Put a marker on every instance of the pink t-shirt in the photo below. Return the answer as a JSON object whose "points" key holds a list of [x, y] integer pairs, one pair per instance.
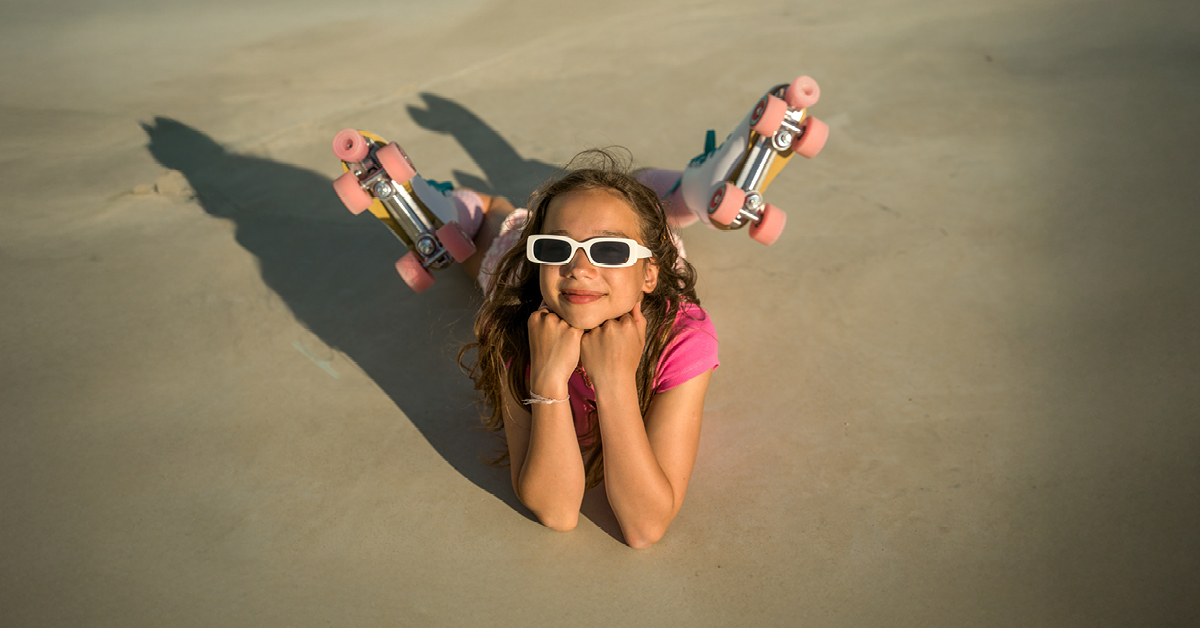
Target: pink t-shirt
{"points": [[692, 351]]}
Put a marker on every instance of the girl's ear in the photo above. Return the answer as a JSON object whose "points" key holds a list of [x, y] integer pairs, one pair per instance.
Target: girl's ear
{"points": [[651, 281]]}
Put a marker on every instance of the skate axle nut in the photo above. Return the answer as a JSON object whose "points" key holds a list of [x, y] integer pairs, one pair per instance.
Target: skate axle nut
{"points": [[426, 246], [752, 210], [782, 140]]}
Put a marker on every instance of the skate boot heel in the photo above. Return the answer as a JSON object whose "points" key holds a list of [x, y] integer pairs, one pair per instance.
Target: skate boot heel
{"points": [[380, 177], [739, 172]]}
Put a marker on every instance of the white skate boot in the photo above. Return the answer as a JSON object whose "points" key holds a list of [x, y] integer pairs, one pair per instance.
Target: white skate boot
{"points": [[724, 186]]}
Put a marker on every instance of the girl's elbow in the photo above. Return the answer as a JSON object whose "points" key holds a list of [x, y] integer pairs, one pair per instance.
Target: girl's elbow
{"points": [[642, 539], [559, 522], [644, 531], [555, 514]]}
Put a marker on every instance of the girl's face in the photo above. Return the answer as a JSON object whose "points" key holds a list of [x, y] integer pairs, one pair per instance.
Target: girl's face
{"points": [[581, 294]]}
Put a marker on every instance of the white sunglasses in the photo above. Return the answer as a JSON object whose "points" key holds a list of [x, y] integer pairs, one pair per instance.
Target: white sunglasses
{"points": [[554, 250]]}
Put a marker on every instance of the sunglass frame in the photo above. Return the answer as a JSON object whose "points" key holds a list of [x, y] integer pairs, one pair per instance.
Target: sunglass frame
{"points": [[636, 251]]}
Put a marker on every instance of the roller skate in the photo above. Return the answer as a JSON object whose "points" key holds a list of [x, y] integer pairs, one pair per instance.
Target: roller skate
{"points": [[436, 226], [724, 186]]}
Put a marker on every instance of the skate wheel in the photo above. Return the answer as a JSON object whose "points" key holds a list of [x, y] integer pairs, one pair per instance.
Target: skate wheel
{"points": [[803, 92], [353, 196], [769, 226], [768, 115], [455, 241], [397, 164], [413, 273], [726, 202], [349, 145], [813, 140]]}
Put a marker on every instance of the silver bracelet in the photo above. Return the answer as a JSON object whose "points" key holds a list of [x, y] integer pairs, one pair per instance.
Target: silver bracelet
{"points": [[540, 399]]}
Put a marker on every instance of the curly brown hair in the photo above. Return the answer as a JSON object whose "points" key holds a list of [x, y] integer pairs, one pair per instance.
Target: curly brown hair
{"points": [[501, 332]]}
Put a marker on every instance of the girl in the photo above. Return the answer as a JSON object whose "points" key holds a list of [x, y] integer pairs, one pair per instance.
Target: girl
{"points": [[592, 349]]}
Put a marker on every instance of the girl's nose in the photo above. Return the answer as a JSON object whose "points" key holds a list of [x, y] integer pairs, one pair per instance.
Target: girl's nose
{"points": [[580, 262]]}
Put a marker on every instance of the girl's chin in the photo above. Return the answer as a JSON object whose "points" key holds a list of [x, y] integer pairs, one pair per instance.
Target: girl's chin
{"points": [[581, 320], [585, 323], [587, 316]]}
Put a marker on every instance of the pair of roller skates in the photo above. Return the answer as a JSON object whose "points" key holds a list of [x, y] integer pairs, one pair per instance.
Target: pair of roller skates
{"points": [[723, 187]]}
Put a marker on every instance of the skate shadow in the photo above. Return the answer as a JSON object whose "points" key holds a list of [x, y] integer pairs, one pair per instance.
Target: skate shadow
{"points": [[506, 172], [335, 271]]}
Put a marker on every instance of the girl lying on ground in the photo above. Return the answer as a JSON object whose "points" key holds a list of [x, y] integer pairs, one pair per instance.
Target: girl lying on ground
{"points": [[592, 348]]}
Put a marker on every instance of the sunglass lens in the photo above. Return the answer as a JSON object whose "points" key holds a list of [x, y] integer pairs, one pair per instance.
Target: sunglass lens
{"points": [[551, 251], [610, 253]]}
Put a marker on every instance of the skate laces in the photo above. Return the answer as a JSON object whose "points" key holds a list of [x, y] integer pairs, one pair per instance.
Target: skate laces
{"points": [[440, 186], [710, 148]]}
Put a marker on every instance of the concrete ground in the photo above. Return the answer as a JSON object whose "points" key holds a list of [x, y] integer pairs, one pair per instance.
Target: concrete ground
{"points": [[961, 390]]}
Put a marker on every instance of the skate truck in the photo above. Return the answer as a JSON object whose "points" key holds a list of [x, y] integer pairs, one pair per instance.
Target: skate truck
{"points": [[379, 176]]}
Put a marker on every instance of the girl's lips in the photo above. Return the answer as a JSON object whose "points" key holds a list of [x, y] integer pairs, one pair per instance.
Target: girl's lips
{"points": [[580, 297]]}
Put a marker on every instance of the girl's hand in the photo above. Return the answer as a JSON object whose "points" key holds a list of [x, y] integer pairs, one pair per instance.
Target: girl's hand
{"points": [[611, 352], [553, 353]]}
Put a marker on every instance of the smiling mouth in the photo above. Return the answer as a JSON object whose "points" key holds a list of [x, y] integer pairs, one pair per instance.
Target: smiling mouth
{"points": [[580, 297]]}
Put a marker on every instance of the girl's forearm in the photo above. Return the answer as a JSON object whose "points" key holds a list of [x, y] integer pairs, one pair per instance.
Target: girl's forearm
{"points": [[552, 479], [638, 490]]}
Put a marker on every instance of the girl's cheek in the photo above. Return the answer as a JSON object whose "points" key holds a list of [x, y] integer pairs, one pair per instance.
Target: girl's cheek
{"points": [[544, 281]]}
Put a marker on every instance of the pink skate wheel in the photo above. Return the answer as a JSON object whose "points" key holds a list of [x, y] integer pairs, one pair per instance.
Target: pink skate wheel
{"points": [[353, 196], [413, 273], [803, 92], [813, 139], [397, 164], [768, 228], [726, 202], [768, 115], [349, 145], [455, 241]]}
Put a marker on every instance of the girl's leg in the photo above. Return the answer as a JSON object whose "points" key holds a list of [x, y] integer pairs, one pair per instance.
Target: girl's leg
{"points": [[666, 184], [490, 221], [495, 210]]}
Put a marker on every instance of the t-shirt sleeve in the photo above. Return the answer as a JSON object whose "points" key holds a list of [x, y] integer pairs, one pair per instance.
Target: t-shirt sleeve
{"points": [[691, 352]]}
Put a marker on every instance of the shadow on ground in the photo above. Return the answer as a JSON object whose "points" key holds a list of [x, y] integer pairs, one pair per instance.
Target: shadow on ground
{"points": [[335, 272], [506, 173]]}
